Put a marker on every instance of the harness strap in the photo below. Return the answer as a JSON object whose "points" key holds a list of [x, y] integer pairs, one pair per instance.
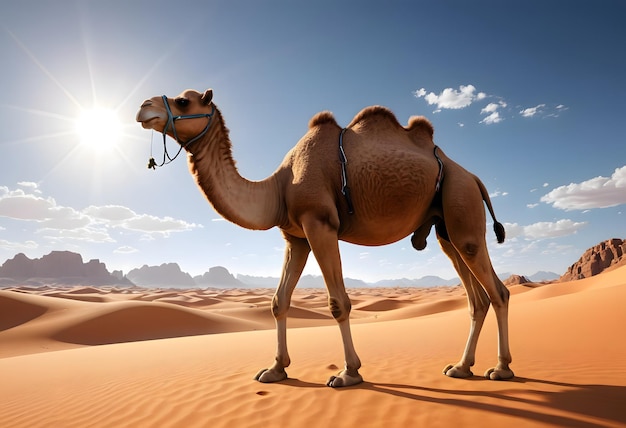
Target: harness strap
{"points": [[344, 175], [440, 174]]}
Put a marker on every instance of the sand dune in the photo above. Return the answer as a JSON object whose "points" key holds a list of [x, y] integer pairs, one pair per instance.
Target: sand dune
{"points": [[107, 357]]}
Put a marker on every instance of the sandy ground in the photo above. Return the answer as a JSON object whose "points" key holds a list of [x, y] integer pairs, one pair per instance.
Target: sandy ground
{"points": [[108, 357]]}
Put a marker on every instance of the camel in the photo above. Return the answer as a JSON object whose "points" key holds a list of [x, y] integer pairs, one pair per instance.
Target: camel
{"points": [[372, 183]]}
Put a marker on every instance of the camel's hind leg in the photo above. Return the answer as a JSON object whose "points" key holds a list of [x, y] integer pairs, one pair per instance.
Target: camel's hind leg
{"points": [[478, 302], [464, 217], [296, 254]]}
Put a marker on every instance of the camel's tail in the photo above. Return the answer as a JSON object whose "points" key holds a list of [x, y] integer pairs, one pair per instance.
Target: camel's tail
{"points": [[498, 228]]}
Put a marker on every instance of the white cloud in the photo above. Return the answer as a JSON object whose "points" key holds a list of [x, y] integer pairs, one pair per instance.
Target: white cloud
{"points": [[18, 205], [451, 98], [546, 229], [543, 110], [59, 222], [17, 246], [125, 249], [493, 116], [34, 187], [498, 193], [466, 95], [543, 229], [531, 111], [152, 224], [490, 108], [86, 234], [65, 218], [597, 192], [110, 213], [513, 230]]}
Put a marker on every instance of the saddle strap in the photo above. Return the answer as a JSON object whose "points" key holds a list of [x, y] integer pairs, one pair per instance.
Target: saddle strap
{"points": [[440, 174], [345, 189]]}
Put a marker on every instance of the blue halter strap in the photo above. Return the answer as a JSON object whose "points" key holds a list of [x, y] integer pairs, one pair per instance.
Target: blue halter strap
{"points": [[171, 121]]}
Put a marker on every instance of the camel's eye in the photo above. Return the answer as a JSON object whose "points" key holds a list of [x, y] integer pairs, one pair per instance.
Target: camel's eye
{"points": [[181, 102]]}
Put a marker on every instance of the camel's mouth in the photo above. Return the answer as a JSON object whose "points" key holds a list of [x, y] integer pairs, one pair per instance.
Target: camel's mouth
{"points": [[147, 117], [146, 123]]}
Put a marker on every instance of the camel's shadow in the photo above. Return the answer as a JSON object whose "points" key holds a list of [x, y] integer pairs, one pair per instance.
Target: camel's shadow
{"points": [[595, 401]]}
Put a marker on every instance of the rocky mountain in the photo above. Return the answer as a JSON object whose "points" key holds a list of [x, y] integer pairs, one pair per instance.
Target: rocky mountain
{"points": [[63, 267], [516, 280], [218, 276], [165, 275], [596, 259]]}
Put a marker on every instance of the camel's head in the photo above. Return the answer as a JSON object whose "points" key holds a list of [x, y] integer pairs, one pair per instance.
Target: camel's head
{"points": [[166, 115]]}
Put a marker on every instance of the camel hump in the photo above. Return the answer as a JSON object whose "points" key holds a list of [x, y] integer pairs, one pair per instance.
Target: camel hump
{"points": [[322, 118], [420, 125], [373, 112]]}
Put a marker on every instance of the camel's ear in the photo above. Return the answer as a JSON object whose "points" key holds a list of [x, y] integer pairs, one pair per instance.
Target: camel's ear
{"points": [[207, 97]]}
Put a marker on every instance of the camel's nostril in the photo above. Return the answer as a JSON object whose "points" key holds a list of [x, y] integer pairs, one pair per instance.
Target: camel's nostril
{"points": [[146, 103]]}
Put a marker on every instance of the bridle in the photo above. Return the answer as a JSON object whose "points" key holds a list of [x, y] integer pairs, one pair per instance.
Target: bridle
{"points": [[171, 119]]}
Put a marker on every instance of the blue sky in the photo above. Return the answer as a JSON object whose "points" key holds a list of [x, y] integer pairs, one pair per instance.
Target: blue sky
{"points": [[527, 95]]}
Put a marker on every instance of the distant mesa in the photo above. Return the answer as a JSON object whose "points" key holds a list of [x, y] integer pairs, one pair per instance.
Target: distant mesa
{"points": [[426, 281], [516, 280], [60, 267], [597, 259], [165, 275], [543, 276], [218, 276]]}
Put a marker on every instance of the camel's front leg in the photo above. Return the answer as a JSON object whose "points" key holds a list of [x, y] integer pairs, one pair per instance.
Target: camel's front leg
{"points": [[296, 253], [323, 240], [350, 374]]}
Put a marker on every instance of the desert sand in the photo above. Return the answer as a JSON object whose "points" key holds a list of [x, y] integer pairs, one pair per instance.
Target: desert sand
{"points": [[113, 357]]}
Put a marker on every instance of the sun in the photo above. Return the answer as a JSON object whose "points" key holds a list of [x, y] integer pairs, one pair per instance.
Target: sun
{"points": [[99, 128]]}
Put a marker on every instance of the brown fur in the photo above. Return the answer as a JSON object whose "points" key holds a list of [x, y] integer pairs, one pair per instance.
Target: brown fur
{"points": [[416, 125], [420, 123], [322, 118], [374, 112]]}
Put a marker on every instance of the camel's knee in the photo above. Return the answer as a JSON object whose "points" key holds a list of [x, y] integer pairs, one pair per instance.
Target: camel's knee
{"points": [[479, 302], [478, 310], [469, 249], [340, 308], [280, 307], [501, 300], [504, 294]]}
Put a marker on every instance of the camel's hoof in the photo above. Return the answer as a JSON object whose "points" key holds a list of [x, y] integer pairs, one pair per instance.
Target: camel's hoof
{"points": [[499, 374], [270, 375], [344, 379], [457, 372]]}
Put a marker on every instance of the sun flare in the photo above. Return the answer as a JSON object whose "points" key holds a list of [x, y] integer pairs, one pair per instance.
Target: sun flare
{"points": [[99, 128]]}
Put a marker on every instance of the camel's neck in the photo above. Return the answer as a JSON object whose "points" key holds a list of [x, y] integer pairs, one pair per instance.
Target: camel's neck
{"points": [[249, 204]]}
